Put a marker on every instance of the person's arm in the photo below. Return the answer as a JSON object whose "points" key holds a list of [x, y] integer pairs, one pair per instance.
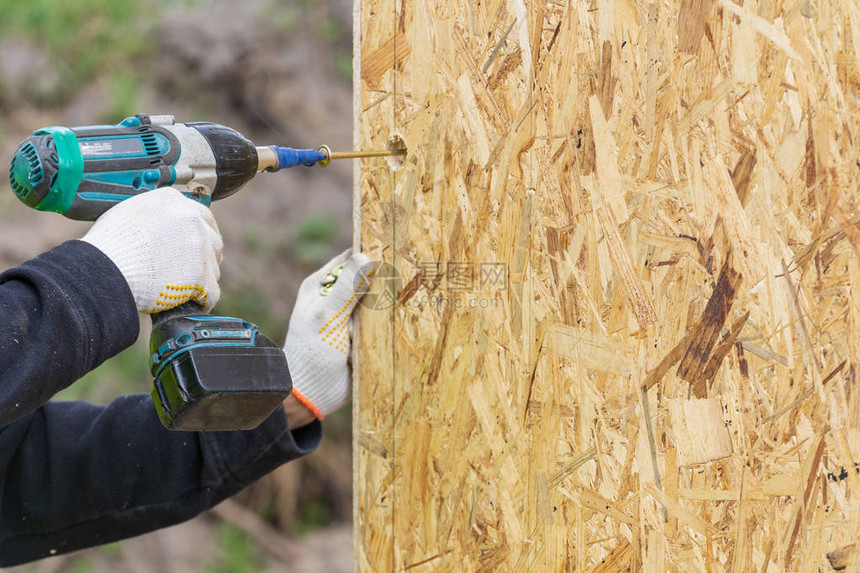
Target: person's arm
{"points": [[66, 311], [298, 415], [63, 313], [79, 475], [73, 475]]}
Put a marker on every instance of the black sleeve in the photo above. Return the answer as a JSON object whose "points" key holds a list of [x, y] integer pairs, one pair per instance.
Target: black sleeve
{"points": [[73, 474], [62, 314], [79, 475]]}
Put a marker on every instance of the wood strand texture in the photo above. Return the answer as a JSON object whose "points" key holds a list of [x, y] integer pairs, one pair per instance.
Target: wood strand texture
{"points": [[618, 328]]}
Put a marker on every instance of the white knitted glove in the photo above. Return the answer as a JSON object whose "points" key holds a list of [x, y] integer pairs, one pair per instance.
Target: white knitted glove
{"points": [[318, 341], [166, 246]]}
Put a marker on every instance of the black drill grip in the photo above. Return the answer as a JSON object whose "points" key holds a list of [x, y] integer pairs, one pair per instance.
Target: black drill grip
{"points": [[184, 309]]}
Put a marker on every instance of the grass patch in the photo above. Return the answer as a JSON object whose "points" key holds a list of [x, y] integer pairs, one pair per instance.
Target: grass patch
{"points": [[329, 31], [245, 302], [343, 65], [238, 552], [283, 17], [253, 239], [81, 37], [313, 239], [311, 517], [123, 98], [111, 549], [81, 564], [125, 373]]}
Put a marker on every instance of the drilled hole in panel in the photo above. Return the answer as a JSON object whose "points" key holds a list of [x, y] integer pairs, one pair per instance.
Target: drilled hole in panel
{"points": [[396, 143]]}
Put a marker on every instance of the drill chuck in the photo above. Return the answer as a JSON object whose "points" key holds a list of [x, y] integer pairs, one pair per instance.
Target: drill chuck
{"points": [[274, 158]]}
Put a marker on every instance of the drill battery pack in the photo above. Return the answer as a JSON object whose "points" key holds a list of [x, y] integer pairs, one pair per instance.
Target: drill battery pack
{"points": [[214, 373]]}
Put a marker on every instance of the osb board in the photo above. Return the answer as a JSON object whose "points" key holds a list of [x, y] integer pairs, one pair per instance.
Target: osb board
{"points": [[666, 378]]}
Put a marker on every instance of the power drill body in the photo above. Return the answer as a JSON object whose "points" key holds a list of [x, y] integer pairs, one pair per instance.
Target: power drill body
{"points": [[82, 172], [210, 372]]}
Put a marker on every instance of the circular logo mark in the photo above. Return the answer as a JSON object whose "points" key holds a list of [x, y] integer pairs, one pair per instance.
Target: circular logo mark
{"points": [[384, 281]]}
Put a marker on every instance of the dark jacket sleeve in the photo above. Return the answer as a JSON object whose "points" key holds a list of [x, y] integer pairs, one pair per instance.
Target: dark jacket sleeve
{"points": [[73, 474], [62, 314], [79, 475]]}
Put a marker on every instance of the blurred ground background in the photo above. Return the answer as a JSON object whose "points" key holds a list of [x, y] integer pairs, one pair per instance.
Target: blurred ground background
{"points": [[278, 71]]}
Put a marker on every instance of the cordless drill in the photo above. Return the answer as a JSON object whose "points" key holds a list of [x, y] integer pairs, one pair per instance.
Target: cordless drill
{"points": [[210, 372]]}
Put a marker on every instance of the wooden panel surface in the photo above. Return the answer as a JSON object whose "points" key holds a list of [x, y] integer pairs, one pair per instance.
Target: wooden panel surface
{"points": [[619, 329]]}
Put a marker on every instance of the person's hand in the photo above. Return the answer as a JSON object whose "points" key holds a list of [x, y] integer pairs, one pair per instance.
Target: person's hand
{"points": [[318, 340], [166, 246]]}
